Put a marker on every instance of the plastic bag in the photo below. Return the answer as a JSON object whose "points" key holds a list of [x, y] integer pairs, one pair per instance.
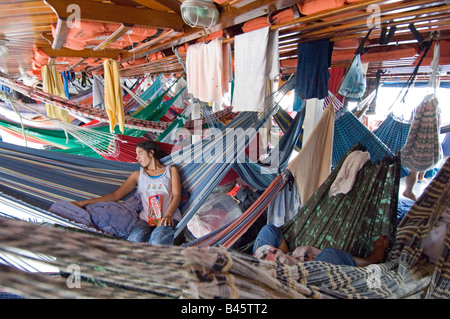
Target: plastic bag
{"points": [[354, 83], [217, 211]]}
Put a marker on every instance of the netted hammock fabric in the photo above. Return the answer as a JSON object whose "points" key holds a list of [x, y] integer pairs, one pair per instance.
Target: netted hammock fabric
{"points": [[94, 141], [113, 268], [83, 110]]}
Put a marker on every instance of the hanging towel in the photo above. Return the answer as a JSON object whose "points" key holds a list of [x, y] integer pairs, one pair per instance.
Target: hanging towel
{"points": [[52, 83], [312, 165], [256, 59], [347, 174], [98, 100], [208, 68], [314, 59], [113, 96]]}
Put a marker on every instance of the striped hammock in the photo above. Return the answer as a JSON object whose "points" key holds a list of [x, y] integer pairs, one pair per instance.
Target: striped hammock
{"points": [[199, 178], [80, 109], [393, 132], [348, 131]]}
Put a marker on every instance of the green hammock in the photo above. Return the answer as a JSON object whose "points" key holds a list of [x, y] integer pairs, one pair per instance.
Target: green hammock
{"points": [[56, 137], [352, 221]]}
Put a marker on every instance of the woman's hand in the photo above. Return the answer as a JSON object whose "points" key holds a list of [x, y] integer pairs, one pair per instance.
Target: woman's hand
{"points": [[79, 203], [166, 221]]}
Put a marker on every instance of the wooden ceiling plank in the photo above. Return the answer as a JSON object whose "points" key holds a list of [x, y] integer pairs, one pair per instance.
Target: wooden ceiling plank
{"points": [[64, 52], [45, 19], [229, 17], [330, 31], [112, 13], [170, 4]]}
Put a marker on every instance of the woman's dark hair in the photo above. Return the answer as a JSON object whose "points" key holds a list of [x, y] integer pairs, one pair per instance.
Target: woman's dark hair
{"points": [[151, 146]]}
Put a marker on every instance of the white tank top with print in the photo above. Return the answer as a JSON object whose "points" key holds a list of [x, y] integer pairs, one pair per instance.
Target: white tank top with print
{"points": [[156, 196]]}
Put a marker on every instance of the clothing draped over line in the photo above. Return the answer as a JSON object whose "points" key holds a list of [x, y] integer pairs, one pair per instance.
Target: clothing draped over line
{"points": [[314, 59], [313, 163], [208, 68], [113, 95], [52, 83], [256, 61]]}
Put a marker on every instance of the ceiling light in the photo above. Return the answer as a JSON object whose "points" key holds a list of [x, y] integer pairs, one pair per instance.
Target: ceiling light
{"points": [[199, 13]]}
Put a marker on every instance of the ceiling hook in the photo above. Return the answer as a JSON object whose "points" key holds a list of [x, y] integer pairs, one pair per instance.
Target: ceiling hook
{"points": [[436, 34], [269, 15]]}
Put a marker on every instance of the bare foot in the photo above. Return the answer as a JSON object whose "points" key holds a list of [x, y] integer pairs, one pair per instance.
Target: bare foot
{"points": [[377, 254], [379, 248], [409, 195]]}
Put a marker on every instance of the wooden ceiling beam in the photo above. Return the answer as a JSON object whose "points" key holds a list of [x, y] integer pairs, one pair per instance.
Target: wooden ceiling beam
{"points": [[170, 4], [64, 52], [229, 17], [113, 13]]}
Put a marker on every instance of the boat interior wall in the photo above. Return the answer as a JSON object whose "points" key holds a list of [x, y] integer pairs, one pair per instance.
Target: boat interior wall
{"points": [[77, 35]]}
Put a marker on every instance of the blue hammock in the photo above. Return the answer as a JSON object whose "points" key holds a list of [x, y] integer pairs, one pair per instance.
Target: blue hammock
{"points": [[41, 177], [348, 131], [393, 133], [260, 176], [204, 164]]}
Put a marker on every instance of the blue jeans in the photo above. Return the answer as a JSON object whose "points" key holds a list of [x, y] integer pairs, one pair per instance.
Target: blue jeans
{"points": [[268, 235], [271, 235], [161, 235], [336, 257]]}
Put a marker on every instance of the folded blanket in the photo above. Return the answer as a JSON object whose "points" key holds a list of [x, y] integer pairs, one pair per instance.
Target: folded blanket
{"points": [[113, 218]]}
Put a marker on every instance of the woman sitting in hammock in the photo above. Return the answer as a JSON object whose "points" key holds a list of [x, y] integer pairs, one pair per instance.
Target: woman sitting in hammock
{"points": [[270, 245], [159, 188]]}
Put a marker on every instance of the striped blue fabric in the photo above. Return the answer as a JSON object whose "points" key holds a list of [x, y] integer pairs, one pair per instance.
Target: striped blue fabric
{"points": [[260, 176], [41, 177], [201, 175], [393, 133], [348, 131], [284, 120]]}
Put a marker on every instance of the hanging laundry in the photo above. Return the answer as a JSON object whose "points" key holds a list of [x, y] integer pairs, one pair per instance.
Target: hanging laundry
{"points": [[113, 95], [98, 100], [52, 83], [312, 165], [314, 59], [256, 60], [208, 68], [422, 150]]}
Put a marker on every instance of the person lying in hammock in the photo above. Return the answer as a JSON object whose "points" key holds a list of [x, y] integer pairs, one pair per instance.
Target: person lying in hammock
{"points": [[270, 245], [159, 189]]}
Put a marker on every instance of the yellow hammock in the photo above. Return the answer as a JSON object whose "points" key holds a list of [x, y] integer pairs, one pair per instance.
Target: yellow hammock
{"points": [[113, 95], [52, 83]]}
